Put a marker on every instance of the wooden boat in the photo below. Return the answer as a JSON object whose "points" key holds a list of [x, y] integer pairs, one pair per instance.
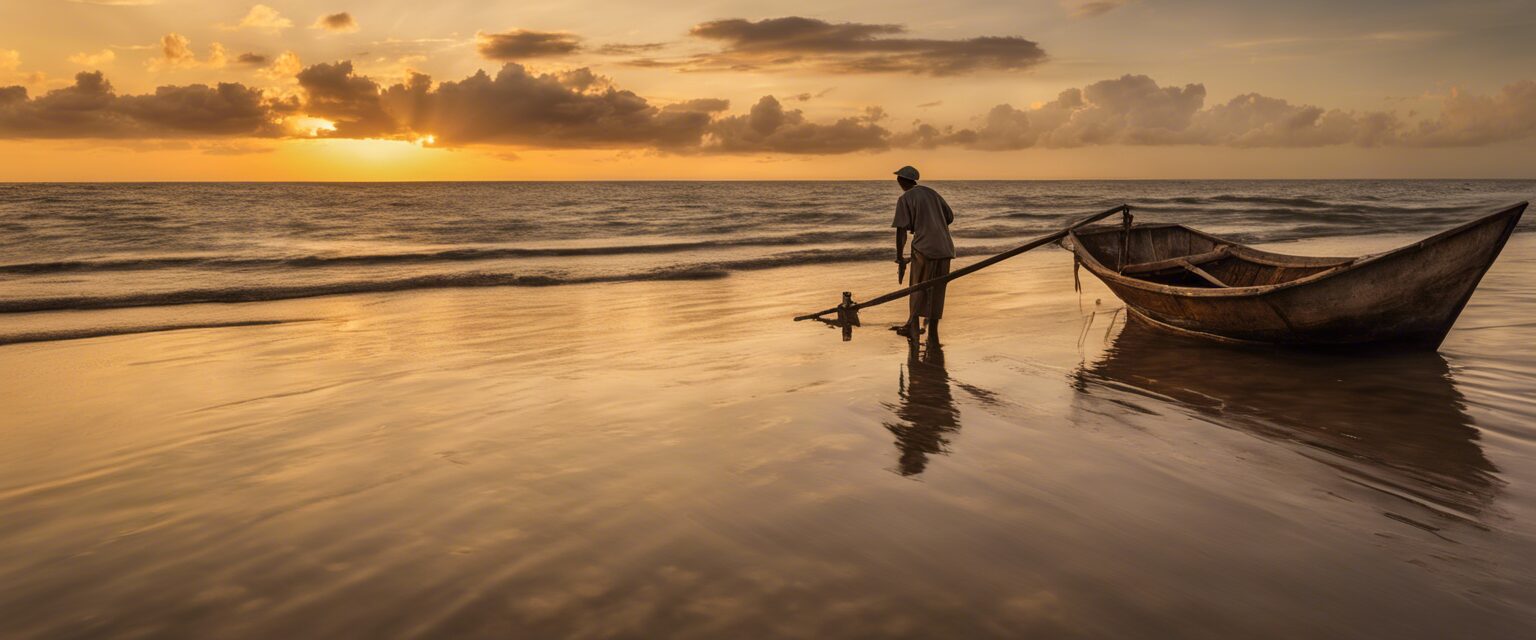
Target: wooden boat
{"points": [[1197, 284]]}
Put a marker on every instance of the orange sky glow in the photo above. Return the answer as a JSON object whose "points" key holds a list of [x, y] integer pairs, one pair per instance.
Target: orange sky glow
{"points": [[1048, 89]]}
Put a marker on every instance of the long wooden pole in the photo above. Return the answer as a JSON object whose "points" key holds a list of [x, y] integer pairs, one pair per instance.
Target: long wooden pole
{"points": [[969, 269]]}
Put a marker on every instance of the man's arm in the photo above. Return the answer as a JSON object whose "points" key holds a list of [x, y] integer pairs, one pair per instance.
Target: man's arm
{"points": [[949, 214], [901, 241]]}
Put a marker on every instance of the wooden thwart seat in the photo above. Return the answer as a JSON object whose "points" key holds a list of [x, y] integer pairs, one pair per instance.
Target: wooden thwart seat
{"points": [[1203, 275], [1181, 261]]}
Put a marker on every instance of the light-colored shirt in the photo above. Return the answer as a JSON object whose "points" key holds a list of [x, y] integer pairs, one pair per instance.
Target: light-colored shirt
{"points": [[925, 213]]}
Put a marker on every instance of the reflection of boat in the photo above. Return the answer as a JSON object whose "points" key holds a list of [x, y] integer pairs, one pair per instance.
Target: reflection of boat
{"points": [[1195, 283], [926, 412], [1396, 419]]}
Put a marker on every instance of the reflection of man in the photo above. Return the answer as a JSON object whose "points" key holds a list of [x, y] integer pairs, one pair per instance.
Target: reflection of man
{"points": [[924, 213], [927, 411]]}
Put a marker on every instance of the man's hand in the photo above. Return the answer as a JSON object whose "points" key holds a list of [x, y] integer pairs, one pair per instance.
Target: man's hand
{"points": [[901, 269]]}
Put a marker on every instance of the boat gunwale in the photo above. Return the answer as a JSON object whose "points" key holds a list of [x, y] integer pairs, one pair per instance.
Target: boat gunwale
{"points": [[1344, 265]]}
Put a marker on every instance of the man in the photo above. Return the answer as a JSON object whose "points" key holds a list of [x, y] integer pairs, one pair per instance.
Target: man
{"points": [[925, 214]]}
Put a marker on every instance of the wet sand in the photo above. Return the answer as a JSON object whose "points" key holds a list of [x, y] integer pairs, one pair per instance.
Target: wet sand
{"points": [[664, 459]]}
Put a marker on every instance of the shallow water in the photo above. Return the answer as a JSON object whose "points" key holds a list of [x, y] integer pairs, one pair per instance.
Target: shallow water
{"points": [[656, 458], [88, 246]]}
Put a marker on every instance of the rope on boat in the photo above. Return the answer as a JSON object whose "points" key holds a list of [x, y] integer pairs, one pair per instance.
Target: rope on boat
{"points": [[848, 311]]}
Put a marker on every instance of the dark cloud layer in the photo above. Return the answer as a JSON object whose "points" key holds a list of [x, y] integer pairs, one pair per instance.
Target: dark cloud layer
{"points": [[353, 102], [850, 47], [520, 44], [581, 109], [516, 106], [91, 109]]}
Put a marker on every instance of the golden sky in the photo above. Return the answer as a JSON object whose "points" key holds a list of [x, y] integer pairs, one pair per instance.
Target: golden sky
{"points": [[460, 90]]}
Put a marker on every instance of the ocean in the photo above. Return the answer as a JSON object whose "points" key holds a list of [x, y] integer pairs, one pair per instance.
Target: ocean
{"points": [[90, 246], [582, 410]]}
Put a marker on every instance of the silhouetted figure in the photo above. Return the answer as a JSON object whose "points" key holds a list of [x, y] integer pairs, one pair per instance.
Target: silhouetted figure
{"points": [[922, 212], [926, 410]]}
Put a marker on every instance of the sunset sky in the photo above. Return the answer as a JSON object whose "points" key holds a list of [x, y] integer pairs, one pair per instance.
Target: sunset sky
{"points": [[570, 89]]}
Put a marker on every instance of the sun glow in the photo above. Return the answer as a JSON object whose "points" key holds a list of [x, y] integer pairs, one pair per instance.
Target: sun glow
{"points": [[309, 126]]}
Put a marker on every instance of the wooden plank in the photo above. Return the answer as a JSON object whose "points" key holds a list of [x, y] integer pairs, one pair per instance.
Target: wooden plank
{"points": [[1201, 272], [1159, 265]]}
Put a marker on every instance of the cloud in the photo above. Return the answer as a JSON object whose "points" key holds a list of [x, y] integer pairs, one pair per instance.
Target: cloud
{"points": [[620, 49], [769, 128], [176, 53], [10, 70], [100, 58], [521, 44], [580, 109], [90, 109], [118, 3], [1253, 120], [850, 47], [571, 110], [351, 102], [336, 23], [1134, 110], [283, 68], [263, 18], [1092, 8], [1470, 120], [252, 59]]}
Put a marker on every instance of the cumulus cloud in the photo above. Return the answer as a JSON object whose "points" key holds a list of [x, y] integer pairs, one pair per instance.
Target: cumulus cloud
{"points": [[1253, 120], [1134, 110], [97, 59], [849, 47], [10, 70], [283, 68], [769, 128], [1092, 8], [263, 18], [176, 53], [1468, 120], [521, 44], [336, 23], [572, 110], [351, 102], [582, 109], [91, 109]]}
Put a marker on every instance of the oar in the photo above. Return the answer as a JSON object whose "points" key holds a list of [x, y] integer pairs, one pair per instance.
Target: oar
{"points": [[848, 311]]}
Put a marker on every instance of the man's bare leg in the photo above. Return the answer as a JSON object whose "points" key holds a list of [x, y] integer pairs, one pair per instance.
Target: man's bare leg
{"points": [[933, 332]]}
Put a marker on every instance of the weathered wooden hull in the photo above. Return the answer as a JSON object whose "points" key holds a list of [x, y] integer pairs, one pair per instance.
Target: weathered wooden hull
{"points": [[1410, 295]]}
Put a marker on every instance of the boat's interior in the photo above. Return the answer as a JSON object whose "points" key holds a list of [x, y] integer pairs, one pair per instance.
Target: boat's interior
{"points": [[1178, 256]]}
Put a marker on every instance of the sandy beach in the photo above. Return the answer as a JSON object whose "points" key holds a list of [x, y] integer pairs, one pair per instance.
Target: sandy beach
{"points": [[663, 459]]}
